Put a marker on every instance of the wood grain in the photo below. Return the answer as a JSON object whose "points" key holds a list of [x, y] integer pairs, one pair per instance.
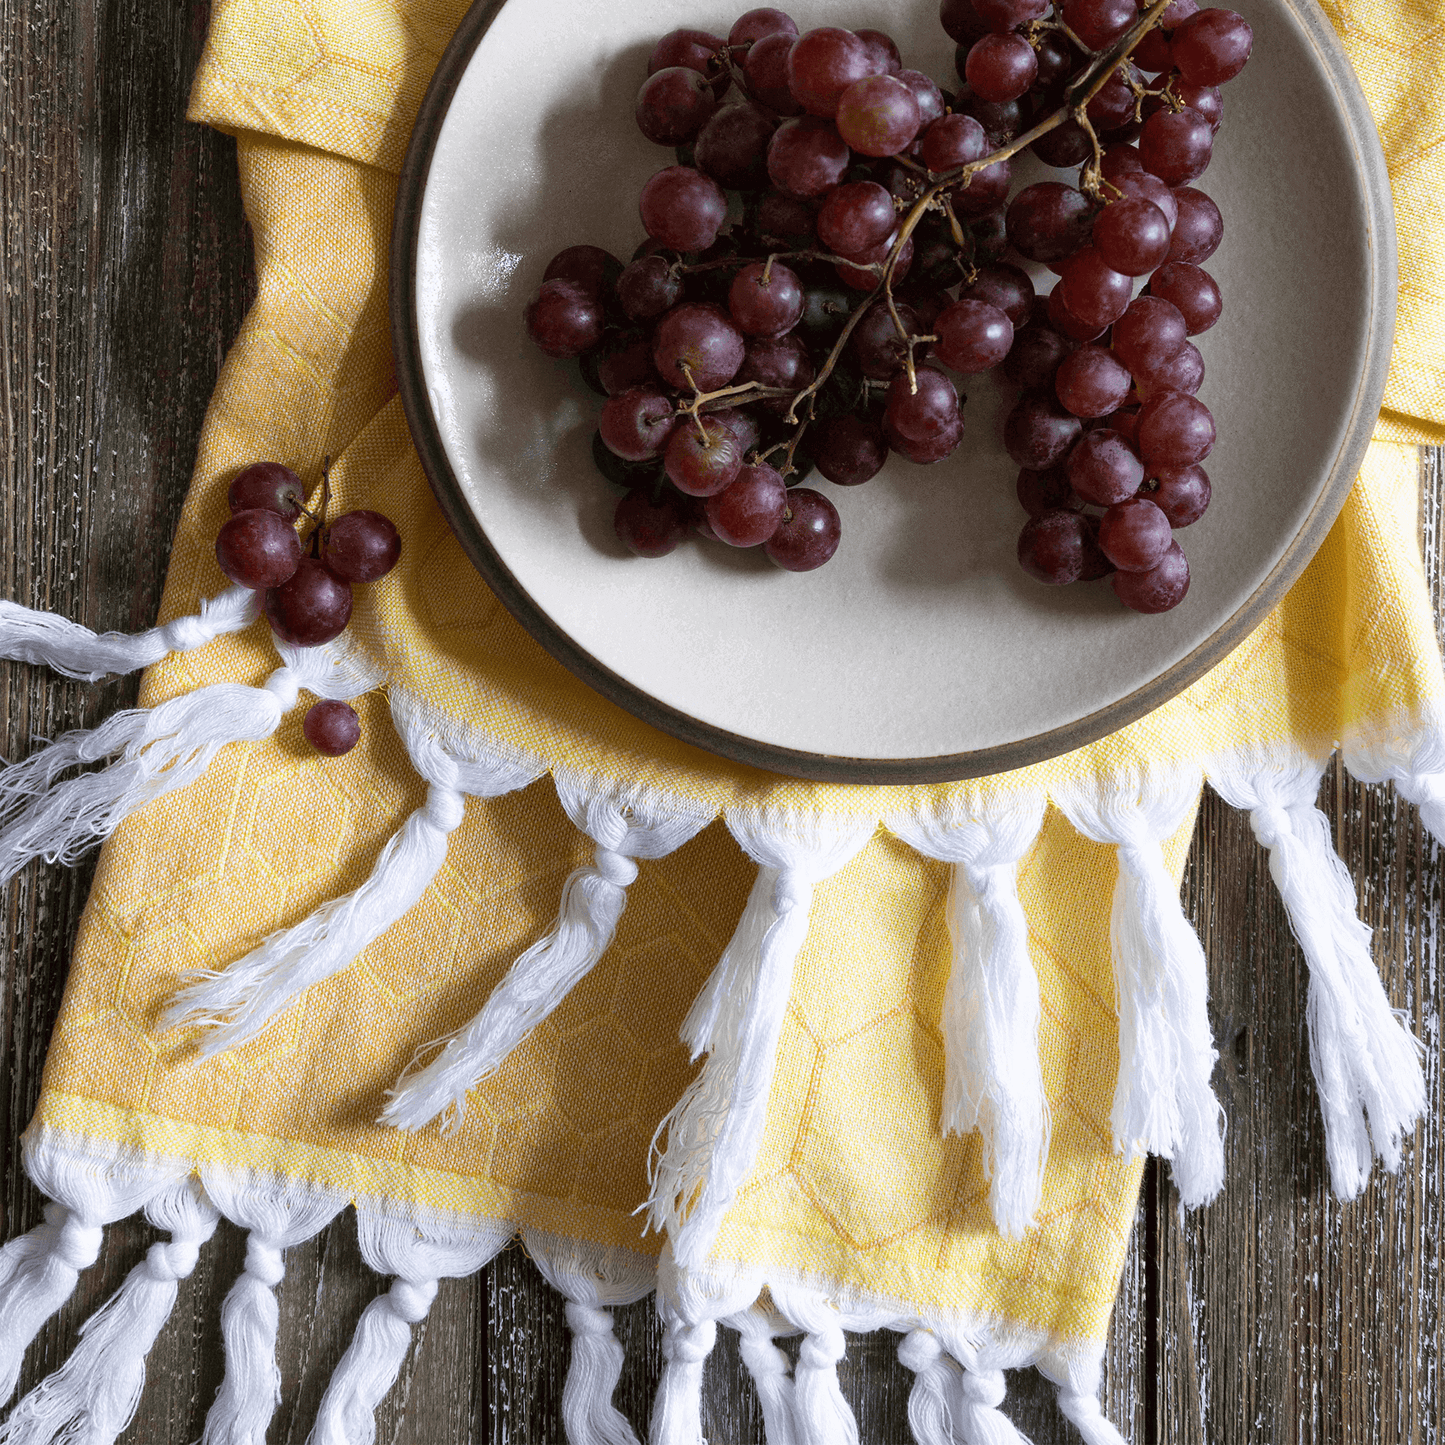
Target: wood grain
{"points": [[1274, 1315]]}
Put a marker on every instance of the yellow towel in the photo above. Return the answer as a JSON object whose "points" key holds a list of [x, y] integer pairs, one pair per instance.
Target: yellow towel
{"points": [[850, 1207]]}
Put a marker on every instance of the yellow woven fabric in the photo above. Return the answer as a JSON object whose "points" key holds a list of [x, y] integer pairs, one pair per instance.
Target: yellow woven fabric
{"points": [[853, 1184]]}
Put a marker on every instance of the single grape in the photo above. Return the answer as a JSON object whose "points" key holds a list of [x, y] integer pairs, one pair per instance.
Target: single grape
{"points": [[331, 727], [1001, 120], [882, 51], [673, 105], [1092, 290], [744, 426], [1066, 145], [697, 345], [697, 50], [1001, 67], [1039, 433], [1132, 236], [1199, 229], [823, 63], [1134, 535], [878, 116], [973, 336], [590, 267], [636, 424], [1092, 382], [732, 147], [361, 546], [647, 287], [848, 450], [1160, 588], [1049, 221], [807, 157], [1211, 46], [952, 140], [1098, 23], [258, 548], [766, 72], [622, 473], [855, 217], [1175, 430], [750, 27], [1176, 146], [933, 449], [765, 298], [1113, 106], [1058, 59], [1034, 359], [782, 362], [990, 234], [1102, 468], [825, 313], [1142, 186], [650, 528], [808, 534], [1181, 493], [925, 413], [1066, 323], [1004, 286], [1148, 334], [1051, 547], [876, 346], [1183, 372], [1192, 290], [1049, 491], [926, 94], [311, 607], [682, 208], [961, 21], [985, 190], [1001, 16], [563, 320], [702, 457], [748, 512], [269, 485]]}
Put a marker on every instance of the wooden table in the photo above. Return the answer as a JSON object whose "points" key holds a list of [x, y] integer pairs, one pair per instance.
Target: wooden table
{"points": [[1275, 1315]]}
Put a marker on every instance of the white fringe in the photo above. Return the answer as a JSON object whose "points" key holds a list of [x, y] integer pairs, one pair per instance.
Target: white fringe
{"points": [[690, 1311], [770, 1369], [592, 1279], [821, 1415], [626, 824], [419, 1253], [155, 751], [279, 1213], [241, 1001], [1409, 753], [714, 1130], [76, 651], [992, 1080], [1366, 1062], [38, 1270], [94, 1395], [935, 1387], [1162, 1102]]}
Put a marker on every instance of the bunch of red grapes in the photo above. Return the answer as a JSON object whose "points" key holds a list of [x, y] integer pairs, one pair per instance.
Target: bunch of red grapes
{"points": [[837, 243], [307, 597]]}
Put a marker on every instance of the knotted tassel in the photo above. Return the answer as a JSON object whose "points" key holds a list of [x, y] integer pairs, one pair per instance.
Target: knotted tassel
{"points": [[935, 1386], [419, 1253], [714, 1130], [625, 825], [1162, 1101], [155, 751], [689, 1316], [1082, 1407], [278, 1214], [976, 1415], [592, 1280], [94, 1395], [1365, 1061], [992, 1080], [1413, 758], [76, 651], [821, 1415], [243, 999], [771, 1372]]}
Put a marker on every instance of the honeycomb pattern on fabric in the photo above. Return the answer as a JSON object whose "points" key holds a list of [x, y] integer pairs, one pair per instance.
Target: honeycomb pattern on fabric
{"points": [[853, 1183]]}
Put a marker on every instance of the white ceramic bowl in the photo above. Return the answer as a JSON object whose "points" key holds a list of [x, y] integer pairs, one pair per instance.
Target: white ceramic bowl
{"points": [[921, 651]]}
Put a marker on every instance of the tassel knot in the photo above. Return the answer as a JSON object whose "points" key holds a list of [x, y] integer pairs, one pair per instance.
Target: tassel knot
{"points": [[585, 1319], [445, 808], [615, 868], [792, 890], [1271, 824], [285, 686], [984, 1388], [181, 634], [685, 1344], [822, 1349], [410, 1299], [174, 1261], [263, 1261], [918, 1349], [76, 1244]]}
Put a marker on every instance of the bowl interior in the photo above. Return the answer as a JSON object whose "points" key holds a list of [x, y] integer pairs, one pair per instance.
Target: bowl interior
{"points": [[921, 640]]}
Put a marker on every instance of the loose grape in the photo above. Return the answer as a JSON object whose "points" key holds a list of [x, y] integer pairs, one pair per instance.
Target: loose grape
{"points": [[311, 607], [673, 105], [268, 485], [682, 208], [1160, 588], [1051, 547], [808, 534], [748, 512], [258, 548], [563, 320], [648, 528], [1134, 535], [702, 457], [697, 345], [331, 728], [361, 546], [878, 116]]}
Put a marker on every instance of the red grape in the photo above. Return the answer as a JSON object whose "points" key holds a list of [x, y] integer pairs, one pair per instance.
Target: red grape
{"points": [[752, 26], [269, 485], [973, 336], [1160, 588], [361, 546], [823, 63], [1199, 229], [1193, 291], [1039, 433], [848, 450], [1211, 46], [1001, 67], [747, 513], [636, 424], [1134, 535], [1092, 382], [766, 71], [647, 287], [1049, 221], [697, 340], [1132, 236], [331, 728], [1051, 547], [1181, 493], [258, 548], [1176, 145], [563, 320], [1040, 492], [682, 208], [589, 267], [1102, 468], [673, 104], [695, 49], [311, 607], [806, 157], [1175, 430], [808, 534], [855, 218], [878, 116], [765, 298], [732, 147], [648, 528]]}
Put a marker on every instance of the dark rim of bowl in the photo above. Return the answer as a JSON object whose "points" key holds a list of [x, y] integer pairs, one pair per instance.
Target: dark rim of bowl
{"points": [[829, 768]]}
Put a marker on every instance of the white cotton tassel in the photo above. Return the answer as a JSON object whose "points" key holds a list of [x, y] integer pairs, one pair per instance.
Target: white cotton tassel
{"points": [[1163, 1102], [821, 1415], [715, 1129], [1413, 758], [94, 1395], [155, 751], [1083, 1408], [992, 1079], [771, 1372], [592, 1280], [278, 1215], [419, 1253], [1366, 1062], [690, 1315], [976, 1414], [242, 1000], [935, 1386], [76, 651], [625, 825]]}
